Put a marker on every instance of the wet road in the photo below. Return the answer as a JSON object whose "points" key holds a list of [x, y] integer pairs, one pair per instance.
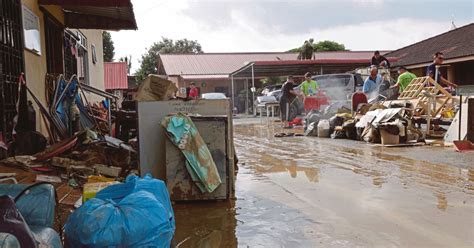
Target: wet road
{"points": [[311, 192]]}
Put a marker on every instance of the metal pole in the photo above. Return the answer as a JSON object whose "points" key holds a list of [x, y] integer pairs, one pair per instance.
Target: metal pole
{"points": [[109, 115], [460, 116], [247, 96], [233, 99], [253, 90]]}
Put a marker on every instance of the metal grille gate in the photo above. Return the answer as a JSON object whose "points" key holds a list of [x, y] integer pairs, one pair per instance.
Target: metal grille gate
{"points": [[11, 62]]}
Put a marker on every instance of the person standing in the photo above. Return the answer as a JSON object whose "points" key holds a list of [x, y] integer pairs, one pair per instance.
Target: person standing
{"points": [[372, 83], [438, 59], [193, 92], [309, 87], [287, 97], [379, 60], [404, 79]]}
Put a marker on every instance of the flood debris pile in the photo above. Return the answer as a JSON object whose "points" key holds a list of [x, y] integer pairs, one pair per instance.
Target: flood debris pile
{"points": [[80, 167], [417, 114]]}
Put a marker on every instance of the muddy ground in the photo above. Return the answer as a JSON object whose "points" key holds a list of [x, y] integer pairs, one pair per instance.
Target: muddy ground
{"points": [[312, 192]]}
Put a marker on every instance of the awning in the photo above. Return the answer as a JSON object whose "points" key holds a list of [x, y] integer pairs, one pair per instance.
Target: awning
{"points": [[96, 14], [205, 77], [299, 67]]}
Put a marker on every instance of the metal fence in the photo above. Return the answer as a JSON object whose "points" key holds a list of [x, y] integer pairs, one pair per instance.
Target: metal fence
{"points": [[11, 63]]}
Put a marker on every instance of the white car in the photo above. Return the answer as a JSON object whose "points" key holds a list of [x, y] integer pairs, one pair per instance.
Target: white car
{"points": [[213, 96]]}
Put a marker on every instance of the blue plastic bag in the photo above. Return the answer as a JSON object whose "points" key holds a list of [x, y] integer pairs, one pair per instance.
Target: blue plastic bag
{"points": [[134, 183], [136, 213]]}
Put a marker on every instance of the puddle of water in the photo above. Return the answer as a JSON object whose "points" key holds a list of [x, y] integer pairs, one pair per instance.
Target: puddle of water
{"points": [[308, 192]]}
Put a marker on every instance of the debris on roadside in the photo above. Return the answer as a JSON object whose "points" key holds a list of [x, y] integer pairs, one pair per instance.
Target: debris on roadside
{"points": [[406, 121]]}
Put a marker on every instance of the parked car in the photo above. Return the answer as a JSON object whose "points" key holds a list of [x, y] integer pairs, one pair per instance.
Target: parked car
{"points": [[271, 88], [213, 96]]}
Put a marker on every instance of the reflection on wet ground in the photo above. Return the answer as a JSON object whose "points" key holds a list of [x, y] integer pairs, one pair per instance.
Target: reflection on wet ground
{"points": [[307, 192]]}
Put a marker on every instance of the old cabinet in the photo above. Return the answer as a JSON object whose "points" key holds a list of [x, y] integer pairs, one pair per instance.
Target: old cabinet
{"points": [[214, 131]]}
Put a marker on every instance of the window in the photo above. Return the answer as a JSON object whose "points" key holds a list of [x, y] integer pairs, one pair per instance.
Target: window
{"points": [[82, 58], [31, 30]]}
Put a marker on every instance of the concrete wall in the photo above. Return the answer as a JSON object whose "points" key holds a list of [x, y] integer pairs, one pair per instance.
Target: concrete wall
{"points": [[35, 65], [96, 71]]}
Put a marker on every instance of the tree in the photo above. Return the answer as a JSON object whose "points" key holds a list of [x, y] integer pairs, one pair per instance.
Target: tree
{"points": [[148, 62], [328, 45], [323, 46], [272, 80], [127, 60], [108, 47]]}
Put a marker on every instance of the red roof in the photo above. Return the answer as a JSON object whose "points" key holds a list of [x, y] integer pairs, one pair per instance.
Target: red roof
{"points": [[115, 75], [223, 64]]}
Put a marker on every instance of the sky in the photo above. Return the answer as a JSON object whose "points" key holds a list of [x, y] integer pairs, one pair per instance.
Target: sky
{"points": [[277, 26]]}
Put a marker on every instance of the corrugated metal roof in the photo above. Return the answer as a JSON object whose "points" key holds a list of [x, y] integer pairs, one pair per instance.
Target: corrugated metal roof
{"points": [[115, 75], [214, 63], [225, 63]]}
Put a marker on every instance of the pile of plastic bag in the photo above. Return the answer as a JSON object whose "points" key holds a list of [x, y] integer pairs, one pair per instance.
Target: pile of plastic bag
{"points": [[136, 213]]}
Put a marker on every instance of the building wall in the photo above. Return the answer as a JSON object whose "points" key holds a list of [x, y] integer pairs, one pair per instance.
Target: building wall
{"points": [[459, 73], [96, 71], [207, 86], [35, 65]]}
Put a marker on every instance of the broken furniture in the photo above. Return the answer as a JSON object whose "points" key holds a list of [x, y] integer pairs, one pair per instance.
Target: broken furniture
{"points": [[430, 101], [421, 88], [261, 104], [270, 108], [126, 124], [214, 132], [37, 206], [152, 137]]}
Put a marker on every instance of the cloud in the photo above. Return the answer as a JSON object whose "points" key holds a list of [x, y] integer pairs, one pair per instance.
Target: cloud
{"points": [[252, 26]]}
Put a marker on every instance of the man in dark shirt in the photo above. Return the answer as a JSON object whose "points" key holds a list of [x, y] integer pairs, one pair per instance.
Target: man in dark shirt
{"points": [[438, 59], [379, 60], [287, 97]]}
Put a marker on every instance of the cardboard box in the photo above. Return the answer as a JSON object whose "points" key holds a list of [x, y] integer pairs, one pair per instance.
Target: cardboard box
{"points": [[91, 189], [388, 138]]}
